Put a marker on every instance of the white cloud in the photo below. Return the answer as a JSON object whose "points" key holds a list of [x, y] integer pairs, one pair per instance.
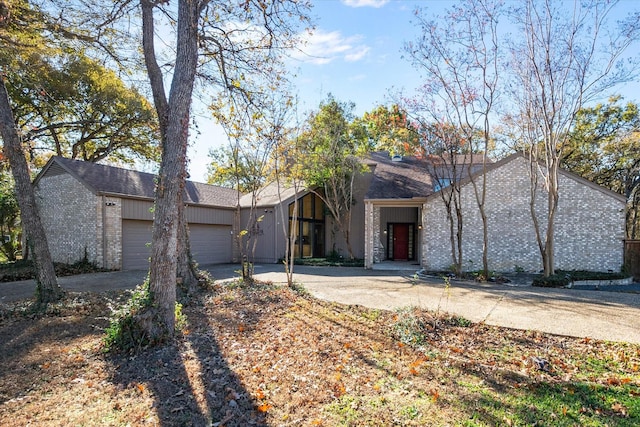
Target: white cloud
{"points": [[365, 3], [323, 47], [357, 54]]}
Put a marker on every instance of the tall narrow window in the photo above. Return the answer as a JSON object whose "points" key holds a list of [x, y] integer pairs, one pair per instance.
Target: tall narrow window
{"points": [[310, 227]]}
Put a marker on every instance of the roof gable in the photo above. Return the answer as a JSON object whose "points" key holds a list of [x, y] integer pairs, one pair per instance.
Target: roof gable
{"points": [[273, 194], [518, 155], [110, 180], [410, 178]]}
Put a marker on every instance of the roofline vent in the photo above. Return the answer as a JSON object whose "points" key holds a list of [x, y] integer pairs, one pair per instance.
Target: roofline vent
{"points": [[396, 158]]}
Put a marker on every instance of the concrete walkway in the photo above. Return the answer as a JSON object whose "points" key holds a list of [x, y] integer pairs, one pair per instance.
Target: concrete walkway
{"points": [[613, 316]]}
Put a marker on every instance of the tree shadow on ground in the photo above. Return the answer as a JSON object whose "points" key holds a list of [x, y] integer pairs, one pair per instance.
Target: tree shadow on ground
{"points": [[30, 348], [190, 380]]}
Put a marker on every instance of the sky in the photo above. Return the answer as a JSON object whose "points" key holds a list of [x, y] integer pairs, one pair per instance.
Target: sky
{"points": [[355, 54]]}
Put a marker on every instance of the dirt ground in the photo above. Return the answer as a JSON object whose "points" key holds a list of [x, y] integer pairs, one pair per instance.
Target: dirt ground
{"points": [[268, 355]]}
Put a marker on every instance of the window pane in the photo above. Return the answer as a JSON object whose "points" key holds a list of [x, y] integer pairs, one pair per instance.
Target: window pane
{"points": [[306, 239], [319, 214], [307, 208]]}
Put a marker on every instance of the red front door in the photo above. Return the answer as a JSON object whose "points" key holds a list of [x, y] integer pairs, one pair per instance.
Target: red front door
{"points": [[400, 242]]}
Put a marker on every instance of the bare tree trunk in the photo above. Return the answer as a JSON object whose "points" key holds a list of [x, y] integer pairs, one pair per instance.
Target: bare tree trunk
{"points": [[549, 262], [459, 224], [47, 288], [171, 178], [186, 270]]}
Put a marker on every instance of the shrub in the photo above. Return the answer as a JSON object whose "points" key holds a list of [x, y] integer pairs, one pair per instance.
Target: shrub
{"points": [[24, 270], [123, 333], [563, 278], [128, 325], [553, 281], [410, 326]]}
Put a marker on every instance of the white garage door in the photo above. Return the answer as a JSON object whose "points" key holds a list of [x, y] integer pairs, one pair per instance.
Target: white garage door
{"points": [[136, 237], [210, 244]]}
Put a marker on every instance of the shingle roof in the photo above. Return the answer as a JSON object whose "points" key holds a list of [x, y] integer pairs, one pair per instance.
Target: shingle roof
{"points": [[410, 178], [404, 179], [103, 179], [269, 195]]}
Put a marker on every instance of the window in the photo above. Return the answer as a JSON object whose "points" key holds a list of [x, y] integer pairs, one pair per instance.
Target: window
{"points": [[441, 183], [310, 227]]}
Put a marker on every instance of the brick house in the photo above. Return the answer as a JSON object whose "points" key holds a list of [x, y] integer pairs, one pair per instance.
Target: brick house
{"points": [[105, 214], [398, 216], [411, 223]]}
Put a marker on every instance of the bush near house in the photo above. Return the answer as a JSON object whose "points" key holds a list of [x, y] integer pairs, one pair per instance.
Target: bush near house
{"points": [[24, 270], [563, 278], [330, 262]]}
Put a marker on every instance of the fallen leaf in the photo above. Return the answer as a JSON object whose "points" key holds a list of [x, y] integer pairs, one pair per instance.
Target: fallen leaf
{"points": [[619, 408], [259, 394], [264, 408]]}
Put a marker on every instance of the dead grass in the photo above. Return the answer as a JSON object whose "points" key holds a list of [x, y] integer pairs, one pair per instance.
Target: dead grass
{"points": [[268, 356]]}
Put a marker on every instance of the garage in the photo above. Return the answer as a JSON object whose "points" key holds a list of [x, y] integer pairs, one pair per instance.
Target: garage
{"points": [[136, 248], [210, 244]]}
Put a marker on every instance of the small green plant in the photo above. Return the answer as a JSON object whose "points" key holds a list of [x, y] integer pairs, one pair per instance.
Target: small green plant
{"points": [[299, 289], [124, 332], [409, 327], [181, 319], [518, 269], [411, 412], [459, 321]]}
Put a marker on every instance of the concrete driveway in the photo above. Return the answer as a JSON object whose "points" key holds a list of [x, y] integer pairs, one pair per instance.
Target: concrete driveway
{"points": [[613, 316]]}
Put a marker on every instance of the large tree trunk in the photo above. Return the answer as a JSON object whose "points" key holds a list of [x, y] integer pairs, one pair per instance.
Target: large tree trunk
{"points": [[170, 186], [47, 288], [186, 270]]}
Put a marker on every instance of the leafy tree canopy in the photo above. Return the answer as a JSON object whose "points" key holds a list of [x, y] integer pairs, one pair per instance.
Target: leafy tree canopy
{"points": [[604, 145], [231, 168], [389, 128], [66, 103], [73, 106], [9, 217], [331, 142]]}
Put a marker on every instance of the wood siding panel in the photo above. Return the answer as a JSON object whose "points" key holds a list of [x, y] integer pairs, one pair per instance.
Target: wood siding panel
{"points": [[141, 210], [137, 209], [204, 215]]}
